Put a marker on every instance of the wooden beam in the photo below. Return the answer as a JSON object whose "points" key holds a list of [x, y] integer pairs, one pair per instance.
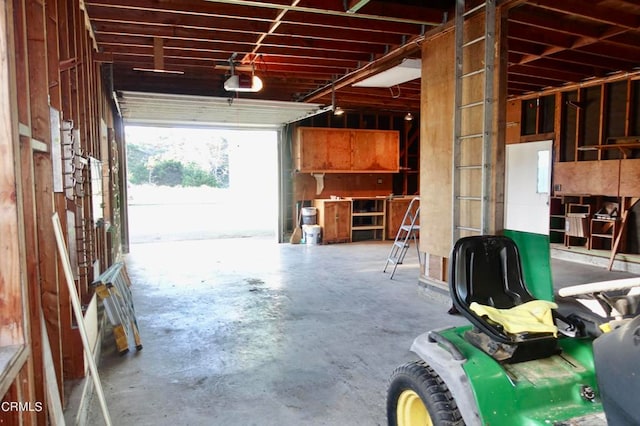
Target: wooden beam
{"points": [[594, 12], [355, 5], [47, 259], [325, 13], [158, 53], [621, 233], [34, 291], [21, 62], [389, 60], [38, 70], [11, 314], [53, 54]]}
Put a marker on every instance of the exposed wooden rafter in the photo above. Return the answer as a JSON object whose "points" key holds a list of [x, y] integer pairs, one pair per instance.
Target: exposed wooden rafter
{"points": [[301, 47]]}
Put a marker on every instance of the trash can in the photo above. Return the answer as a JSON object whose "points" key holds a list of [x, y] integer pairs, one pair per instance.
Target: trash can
{"points": [[309, 216]]}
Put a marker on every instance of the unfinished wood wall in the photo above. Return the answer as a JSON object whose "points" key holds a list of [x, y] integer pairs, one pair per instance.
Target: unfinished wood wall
{"points": [[47, 71], [436, 145], [591, 115]]}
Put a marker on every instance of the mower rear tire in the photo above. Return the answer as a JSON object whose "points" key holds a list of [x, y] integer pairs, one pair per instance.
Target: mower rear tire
{"points": [[418, 396]]}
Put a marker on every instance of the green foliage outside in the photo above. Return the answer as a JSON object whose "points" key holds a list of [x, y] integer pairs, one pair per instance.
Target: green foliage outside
{"points": [[167, 172], [178, 162], [195, 176]]}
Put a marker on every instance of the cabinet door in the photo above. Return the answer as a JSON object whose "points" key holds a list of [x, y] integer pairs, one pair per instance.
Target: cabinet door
{"points": [[375, 151], [323, 150], [337, 222], [396, 210], [347, 150]]}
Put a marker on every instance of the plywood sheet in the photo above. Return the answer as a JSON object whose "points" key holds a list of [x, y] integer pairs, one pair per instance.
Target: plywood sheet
{"points": [[436, 136], [375, 150], [587, 177], [514, 112], [630, 178], [323, 149], [471, 120]]}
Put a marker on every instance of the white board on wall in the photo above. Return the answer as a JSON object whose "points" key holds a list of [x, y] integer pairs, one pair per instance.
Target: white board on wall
{"points": [[528, 187]]}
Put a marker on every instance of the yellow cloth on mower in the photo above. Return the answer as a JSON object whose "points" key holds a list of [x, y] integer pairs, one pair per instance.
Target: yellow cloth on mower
{"points": [[531, 317]]}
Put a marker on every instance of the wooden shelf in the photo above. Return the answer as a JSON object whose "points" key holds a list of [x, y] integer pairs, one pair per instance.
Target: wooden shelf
{"points": [[556, 219], [627, 144], [368, 214], [603, 232], [366, 227], [368, 218]]}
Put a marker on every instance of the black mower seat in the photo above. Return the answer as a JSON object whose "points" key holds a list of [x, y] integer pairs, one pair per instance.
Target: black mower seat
{"points": [[486, 270]]}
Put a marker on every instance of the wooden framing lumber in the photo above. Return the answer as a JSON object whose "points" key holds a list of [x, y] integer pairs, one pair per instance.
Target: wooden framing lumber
{"points": [[77, 310], [33, 272], [47, 259]]}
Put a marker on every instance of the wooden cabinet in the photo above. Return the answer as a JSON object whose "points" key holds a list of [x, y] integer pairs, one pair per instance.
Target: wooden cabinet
{"points": [[396, 209], [332, 150], [368, 218], [334, 216], [375, 151], [323, 150]]}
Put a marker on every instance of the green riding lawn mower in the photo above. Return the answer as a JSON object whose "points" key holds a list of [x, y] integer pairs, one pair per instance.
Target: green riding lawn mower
{"points": [[523, 361]]}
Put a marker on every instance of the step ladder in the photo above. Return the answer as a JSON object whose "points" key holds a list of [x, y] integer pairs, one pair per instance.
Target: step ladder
{"points": [[473, 119], [113, 289], [407, 232]]}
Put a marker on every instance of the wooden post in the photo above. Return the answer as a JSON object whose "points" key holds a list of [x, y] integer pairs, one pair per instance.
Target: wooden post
{"points": [[11, 324], [34, 292], [47, 259]]}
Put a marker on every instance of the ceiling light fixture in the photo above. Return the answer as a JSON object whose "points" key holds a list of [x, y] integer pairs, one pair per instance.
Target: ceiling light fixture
{"points": [[408, 117], [336, 110], [407, 70]]}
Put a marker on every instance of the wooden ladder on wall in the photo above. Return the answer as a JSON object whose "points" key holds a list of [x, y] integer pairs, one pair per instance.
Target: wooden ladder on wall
{"points": [[406, 232], [473, 106]]}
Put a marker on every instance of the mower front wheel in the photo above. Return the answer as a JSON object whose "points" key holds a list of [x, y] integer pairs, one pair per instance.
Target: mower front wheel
{"points": [[418, 396]]}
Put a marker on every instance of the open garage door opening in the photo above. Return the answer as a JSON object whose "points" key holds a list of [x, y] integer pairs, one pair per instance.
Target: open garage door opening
{"points": [[201, 183]]}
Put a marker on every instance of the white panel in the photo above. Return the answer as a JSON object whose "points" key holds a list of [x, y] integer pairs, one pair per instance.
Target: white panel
{"points": [[56, 149], [187, 110], [526, 209]]}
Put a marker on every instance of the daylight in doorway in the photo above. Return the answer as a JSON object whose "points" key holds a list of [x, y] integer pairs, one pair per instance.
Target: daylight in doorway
{"points": [[195, 183]]}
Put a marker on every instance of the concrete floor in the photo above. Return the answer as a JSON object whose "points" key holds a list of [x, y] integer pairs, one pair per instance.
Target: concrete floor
{"points": [[248, 332]]}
